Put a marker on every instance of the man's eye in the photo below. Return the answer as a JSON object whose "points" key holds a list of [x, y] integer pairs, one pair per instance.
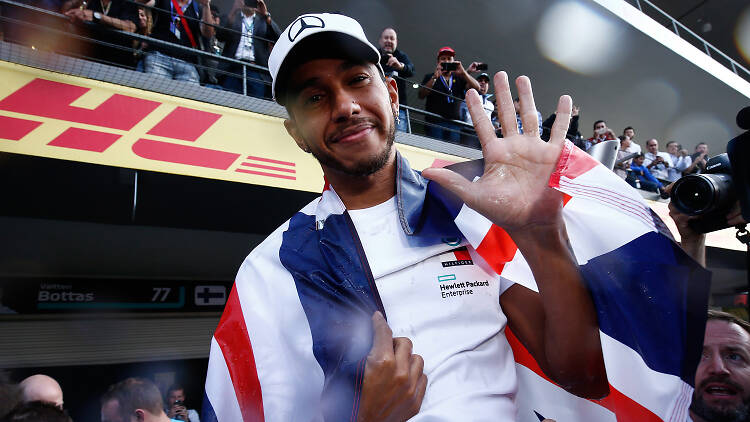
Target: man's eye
{"points": [[735, 357], [360, 78], [313, 99]]}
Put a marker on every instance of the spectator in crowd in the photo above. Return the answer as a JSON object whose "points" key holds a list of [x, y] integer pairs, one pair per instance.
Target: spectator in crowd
{"points": [[698, 159], [656, 161], [630, 132], [398, 65], [624, 157], [176, 408], [97, 20], [680, 161], [444, 91], [180, 25], [642, 177], [10, 394], [572, 134], [248, 34], [37, 411], [722, 380], [145, 26], [43, 388], [208, 68], [601, 133], [133, 399], [517, 105], [469, 137]]}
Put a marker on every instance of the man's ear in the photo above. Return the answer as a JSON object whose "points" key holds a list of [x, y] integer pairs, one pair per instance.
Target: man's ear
{"points": [[291, 129], [392, 87], [140, 415]]}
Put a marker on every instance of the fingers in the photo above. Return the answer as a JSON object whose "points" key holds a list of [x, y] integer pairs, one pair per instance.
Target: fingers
{"points": [[482, 124], [562, 120], [416, 366], [529, 119], [452, 181], [506, 112], [382, 338], [402, 348]]}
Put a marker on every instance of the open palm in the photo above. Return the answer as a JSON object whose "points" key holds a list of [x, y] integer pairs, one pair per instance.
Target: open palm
{"points": [[513, 192]]}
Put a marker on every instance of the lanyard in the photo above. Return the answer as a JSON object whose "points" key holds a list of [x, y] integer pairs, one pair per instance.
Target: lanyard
{"points": [[248, 30], [175, 6], [105, 10], [448, 85]]}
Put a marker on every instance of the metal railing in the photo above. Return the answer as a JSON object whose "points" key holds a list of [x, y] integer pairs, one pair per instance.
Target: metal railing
{"points": [[417, 119], [679, 29]]}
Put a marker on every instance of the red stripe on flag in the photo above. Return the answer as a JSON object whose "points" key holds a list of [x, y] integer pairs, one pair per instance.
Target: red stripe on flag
{"points": [[497, 248], [624, 408], [572, 163], [462, 254], [232, 337]]}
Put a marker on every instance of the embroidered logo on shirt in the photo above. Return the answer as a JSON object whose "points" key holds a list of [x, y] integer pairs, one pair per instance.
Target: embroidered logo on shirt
{"points": [[459, 256]]}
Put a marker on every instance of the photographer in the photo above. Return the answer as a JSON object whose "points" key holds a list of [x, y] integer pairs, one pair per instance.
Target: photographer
{"points": [[699, 158], [444, 90], [396, 63], [601, 133], [247, 37], [656, 161], [176, 408]]}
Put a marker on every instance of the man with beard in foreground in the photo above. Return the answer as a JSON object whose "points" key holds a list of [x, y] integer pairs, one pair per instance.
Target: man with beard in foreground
{"points": [[722, 382], [394, 295]]}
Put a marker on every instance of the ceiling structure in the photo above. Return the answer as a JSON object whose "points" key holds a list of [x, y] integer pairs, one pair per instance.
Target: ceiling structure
{"points": [[716, 21], [613, 71]]}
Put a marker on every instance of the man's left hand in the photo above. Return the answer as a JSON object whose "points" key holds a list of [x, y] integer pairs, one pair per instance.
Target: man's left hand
{"points": [[262, 9], [514, 190]]}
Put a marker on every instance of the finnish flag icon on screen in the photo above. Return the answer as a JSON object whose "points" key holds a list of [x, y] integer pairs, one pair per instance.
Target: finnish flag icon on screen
{"points": [[210, 295]]}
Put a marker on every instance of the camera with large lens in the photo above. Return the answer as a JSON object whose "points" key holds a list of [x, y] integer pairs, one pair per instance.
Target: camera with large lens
{"points": [[712, 194]]}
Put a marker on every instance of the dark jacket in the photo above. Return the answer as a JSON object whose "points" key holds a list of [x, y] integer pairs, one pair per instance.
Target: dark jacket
{"points": [[407, 72], [261, 32]]}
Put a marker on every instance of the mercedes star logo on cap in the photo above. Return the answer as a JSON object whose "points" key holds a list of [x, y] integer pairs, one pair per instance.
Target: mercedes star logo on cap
{"points": [[302, 23]]}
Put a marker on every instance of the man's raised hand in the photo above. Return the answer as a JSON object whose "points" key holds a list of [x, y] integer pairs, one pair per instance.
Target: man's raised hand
{"points": [[513, 192], [394, 385]]}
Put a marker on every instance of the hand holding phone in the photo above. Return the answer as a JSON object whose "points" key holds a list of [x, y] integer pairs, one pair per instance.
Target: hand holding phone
{"points": [[449, 66]]}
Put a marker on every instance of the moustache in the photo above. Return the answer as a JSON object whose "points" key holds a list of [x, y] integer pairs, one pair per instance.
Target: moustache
{"points": [[723, 379], [351, 123]]}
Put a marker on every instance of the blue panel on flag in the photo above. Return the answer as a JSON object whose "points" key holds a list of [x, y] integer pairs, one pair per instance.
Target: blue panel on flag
{"points": [[207, 411], [331, 276], [653, 298]]}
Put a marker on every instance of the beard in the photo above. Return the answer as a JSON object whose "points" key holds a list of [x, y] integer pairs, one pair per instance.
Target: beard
{"points": [[367, 166], [739, 413]]}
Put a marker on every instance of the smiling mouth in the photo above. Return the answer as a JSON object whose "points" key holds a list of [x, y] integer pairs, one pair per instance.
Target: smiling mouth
{"points": [[353, 134]]}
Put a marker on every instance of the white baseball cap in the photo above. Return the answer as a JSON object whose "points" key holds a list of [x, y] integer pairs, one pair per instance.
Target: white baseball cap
{"points": [[317, 36]]}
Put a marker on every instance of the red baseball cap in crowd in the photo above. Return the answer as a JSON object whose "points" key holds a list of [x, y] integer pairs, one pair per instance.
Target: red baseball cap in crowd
{"points": [[446, 50]]}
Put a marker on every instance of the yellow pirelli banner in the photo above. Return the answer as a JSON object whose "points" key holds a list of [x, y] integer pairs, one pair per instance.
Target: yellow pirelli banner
{"points": [[59, 116]]}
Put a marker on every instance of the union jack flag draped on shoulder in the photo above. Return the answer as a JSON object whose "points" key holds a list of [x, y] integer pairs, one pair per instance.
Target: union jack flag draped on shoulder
{"points": [[292, 341]]}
